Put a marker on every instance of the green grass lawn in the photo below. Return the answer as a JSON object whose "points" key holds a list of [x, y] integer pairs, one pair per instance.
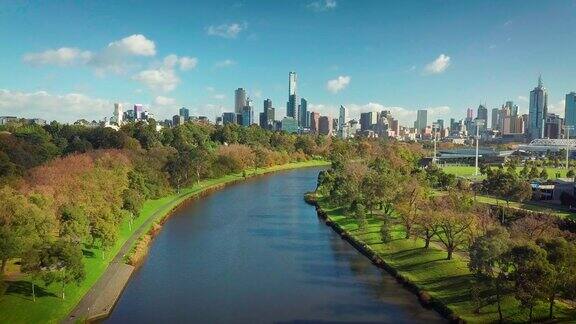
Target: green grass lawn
{"points": [[16, 306], [468, 171], [447, 280]]}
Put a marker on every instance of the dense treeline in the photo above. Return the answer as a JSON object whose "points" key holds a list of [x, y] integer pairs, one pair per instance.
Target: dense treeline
{"points": [[528, 258], [63, 187]]}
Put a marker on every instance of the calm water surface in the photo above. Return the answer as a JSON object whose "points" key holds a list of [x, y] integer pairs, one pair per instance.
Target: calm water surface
{"points": [[255, 252]]}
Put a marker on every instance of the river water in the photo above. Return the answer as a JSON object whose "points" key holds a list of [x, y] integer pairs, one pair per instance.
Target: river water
{"points": [[255, 252]]}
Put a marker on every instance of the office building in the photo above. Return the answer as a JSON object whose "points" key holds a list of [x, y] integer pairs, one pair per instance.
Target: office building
{"points": [[229, 118], [303, 114], [325, 125], [553, 126], [538, 111], [184, 113], [368, 120], [343, 122], [289, 125], [421, 120], [239, 100], [269, 112], [247, 113], [570, 113], [177, 120], [470, 113]]}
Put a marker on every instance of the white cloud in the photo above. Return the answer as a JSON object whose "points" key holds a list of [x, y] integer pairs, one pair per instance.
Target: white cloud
{"points": [[163, 77], [322, 5], [136, 44], [65, 56], [338, 84], [224, 63], [522, 98], [185, 63], [164, 80], [558, 108], [439, 65], [219, 96], [41, 104], [112, 58], [164, 101], [226, 30]]}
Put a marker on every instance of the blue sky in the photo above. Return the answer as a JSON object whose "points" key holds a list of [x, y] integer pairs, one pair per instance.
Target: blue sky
{"points": [[70, 60]]}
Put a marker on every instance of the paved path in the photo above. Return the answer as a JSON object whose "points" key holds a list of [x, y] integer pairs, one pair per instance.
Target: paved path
{"points": [[108, 281]]}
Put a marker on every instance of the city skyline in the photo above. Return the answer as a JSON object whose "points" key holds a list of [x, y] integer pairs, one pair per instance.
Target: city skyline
{"points": [[68, 77]]}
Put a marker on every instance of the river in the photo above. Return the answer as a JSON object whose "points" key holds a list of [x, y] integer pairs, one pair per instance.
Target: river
{"points": [[255, 252]]}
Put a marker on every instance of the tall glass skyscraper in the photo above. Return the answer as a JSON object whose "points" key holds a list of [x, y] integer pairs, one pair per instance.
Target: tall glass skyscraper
{"points": [[421, 120], [342, 120], [292, 104], [570, 112], [538, 111]]}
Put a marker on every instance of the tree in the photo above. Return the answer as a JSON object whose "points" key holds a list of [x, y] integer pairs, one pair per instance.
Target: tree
{"points": [[544, 174], [62, 262], [411, 199], [561, 256], [486, 261], [386, 230], [74, 226], [426, 224], [570, 173], [533, 172], [531, 274], [454, 220]]}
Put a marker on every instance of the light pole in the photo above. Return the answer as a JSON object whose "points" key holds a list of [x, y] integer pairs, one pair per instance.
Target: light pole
{"points": [[479, 122], [434, 134], [568, 129]]}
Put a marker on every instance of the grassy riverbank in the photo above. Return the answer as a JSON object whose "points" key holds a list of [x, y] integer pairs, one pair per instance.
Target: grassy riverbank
{"points": [[17, 306], [445, 281], [467, 171]]}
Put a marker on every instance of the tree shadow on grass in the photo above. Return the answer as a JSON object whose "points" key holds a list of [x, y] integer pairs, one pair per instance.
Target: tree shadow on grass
{"points": [[23, 289], [454, 288], [88, 253]]}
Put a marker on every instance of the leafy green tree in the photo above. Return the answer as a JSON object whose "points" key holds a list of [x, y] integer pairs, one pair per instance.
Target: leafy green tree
{"points": [[531, 275], [561, 256], [570, 173], [59, 262], [544, 174], [74, 225], [487, 264]]}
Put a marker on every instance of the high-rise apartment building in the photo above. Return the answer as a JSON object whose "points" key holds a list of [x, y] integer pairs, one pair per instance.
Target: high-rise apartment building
{"points": [[325, 125], [368, 120], [570, 112], [538, 111], [118, 114], [314, 122], [496, 119], [239, 100], [229, 118], [138, 111], [470, 113], [247, 113], [267, 116]]}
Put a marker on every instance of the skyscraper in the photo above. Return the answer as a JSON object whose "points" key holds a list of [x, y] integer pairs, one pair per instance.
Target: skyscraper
{"points": [[343, 122], [239, 100], [421, 120], [267, 115], [303, 113], [470, 113], [118, 114], [496, 119], [538, 111], [368, 120], [184, 113], [292, 104], [570, 111]]}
